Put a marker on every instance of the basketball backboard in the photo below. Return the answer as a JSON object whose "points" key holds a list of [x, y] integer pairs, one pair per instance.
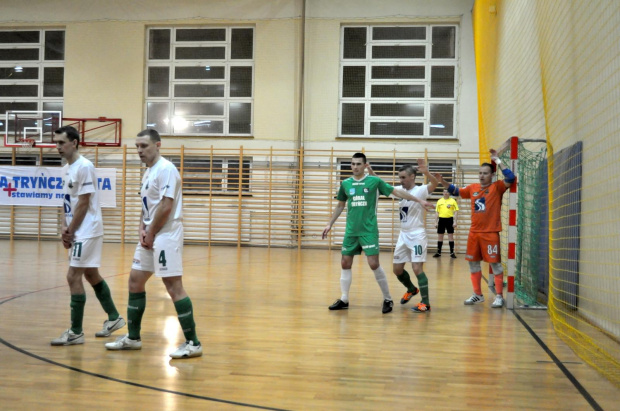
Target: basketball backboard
{"points": [[38, 127]]}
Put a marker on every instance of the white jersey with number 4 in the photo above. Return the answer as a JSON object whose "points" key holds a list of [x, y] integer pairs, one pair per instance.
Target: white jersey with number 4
{"points": [[79, 178], [159, 181], [412, 213]]}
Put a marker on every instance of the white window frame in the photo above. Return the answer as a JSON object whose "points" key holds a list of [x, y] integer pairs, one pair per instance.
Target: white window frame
{"points": [[227, 63], [428, 62], [41, 64]]}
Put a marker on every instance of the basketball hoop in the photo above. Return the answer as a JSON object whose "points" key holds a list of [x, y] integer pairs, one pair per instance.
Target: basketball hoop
{"points": [[26, 145]]}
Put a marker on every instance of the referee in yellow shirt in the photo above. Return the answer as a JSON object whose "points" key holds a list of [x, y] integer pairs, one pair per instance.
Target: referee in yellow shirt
{"points": [[445, 220]]}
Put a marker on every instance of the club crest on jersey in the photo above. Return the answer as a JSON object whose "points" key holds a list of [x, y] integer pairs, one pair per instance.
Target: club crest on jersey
{"points": [[476, 193], [70, 184], [480, 205], [365, 190], [351, 191]]}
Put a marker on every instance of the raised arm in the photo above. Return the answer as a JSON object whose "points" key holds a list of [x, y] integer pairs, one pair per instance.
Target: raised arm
{"points": [[452, 189], [405, 195], [509, 177], [370, 170], [337, 211], [433, 182]]}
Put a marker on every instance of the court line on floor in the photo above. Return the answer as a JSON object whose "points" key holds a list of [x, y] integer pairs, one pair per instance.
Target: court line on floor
{"points": [[105, 377], [584, 393]]}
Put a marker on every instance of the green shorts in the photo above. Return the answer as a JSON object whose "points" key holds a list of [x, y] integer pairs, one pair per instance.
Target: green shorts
{"points": [[355, 245]]}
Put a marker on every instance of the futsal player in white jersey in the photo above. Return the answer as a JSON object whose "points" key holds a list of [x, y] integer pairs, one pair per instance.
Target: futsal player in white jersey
{"points": [[160, 249], [412, 241], [82, 234]]}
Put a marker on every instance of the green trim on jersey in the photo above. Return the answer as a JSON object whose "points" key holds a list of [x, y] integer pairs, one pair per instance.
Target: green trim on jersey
{"points": [[362, 197]]}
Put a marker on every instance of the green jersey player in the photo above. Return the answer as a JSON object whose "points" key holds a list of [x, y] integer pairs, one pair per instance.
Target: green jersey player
{"points": [[360, 194]]}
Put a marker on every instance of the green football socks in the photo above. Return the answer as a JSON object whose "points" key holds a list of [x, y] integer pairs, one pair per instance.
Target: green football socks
{"points": [[78, 301], [102, 292], [423, 284], [405, 280], [185, 313], [135, 310]]}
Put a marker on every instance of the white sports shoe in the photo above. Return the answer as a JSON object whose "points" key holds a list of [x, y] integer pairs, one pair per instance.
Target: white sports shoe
{"points": [[187, 350], [110, 326], [474, 299], [124, 343], [498, 302], [69, 338]]}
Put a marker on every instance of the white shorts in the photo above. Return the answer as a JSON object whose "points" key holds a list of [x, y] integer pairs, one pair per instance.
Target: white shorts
{"points": [[166, 257], [410, 248], [86, 252]]}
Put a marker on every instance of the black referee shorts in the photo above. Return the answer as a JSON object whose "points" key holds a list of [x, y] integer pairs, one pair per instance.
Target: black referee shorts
{"points": [[445, 224]]}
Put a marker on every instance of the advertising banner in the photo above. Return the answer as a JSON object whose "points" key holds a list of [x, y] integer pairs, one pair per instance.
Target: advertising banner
{"points": [[42, 186]]}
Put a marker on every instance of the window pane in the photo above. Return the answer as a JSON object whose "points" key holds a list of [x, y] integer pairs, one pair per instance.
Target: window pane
{"points": [[198, 127], [53, 81], [397, 110], [352, 119], [242, 45], [26, 90], [396, 129], [157, 117], [240, 118], [54, 45], [201, 34], [442, 81], [199, 90], [199, 73], [159, 44], [198, 109], [354, 43], [241, 82], [398, 52], [399, 33], [159, 82], [353, 81], [200, 53], [19, 54], [52, 106], [24, 106], [407, 90], [397, 72], [444, 42], [19, 36], [233, 175], [442, 120], [26, 73]]}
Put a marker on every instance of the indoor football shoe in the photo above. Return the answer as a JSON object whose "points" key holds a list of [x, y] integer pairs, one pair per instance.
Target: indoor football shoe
{"points": [[437, 255], [387, 306], [69, 338], [124, 343], [421, 308], [408, 295], [109, 326], [474, 299], [339, 305], [498, 302], [187, 350], [452, 255]]}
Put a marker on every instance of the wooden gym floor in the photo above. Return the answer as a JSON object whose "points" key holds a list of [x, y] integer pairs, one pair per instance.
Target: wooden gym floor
{"points": [[270, 342]]}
